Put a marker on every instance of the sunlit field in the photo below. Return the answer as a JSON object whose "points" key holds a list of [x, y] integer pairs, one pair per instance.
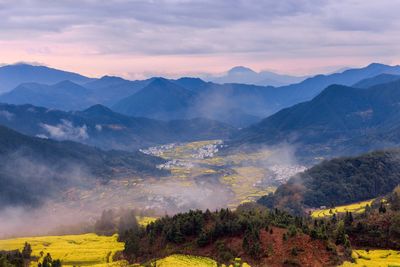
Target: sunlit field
{"points": [[185, 260], [145, 220], [246, 175], [355, 208], [375, 258], [72, 250], [178, 260]]}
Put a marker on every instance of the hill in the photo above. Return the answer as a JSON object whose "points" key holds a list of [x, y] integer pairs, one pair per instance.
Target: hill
{"points": [[339, 181], [311, 87], [256, 235], [33, 169], [161, 99], [379, 79], [339, 121], [64, 95], [14, 75], [244, 75], [110, 89], [99, 126]]}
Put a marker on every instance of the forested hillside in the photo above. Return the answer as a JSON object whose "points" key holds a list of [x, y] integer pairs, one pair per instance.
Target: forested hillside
{"points": [[32, 169], [339, 181]]}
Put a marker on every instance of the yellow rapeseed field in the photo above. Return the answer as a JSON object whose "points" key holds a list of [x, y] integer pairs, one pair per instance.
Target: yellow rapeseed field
{"points": [[374, 258], [355, 208], [179, 260], [96, 251], [72, 250]]}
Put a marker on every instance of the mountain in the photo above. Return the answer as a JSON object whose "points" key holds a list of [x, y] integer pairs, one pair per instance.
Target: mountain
{"points": [[169, 100], [161, 99], [246, 75], [341, 120], [193, 84], [309, 88], [13, 75], [339, 181], [237, 104], [247, 102], [64, 95], [109, 89], [67, 95], [99, 126], [33, 169], [379, 79]]}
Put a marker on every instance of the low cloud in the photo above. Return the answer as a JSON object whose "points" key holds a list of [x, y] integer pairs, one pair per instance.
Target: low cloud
{"points": [[7, 115], [66, 131]]}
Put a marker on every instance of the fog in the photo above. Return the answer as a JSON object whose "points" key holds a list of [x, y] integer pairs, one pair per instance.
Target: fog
{"points": [[66, 198]]}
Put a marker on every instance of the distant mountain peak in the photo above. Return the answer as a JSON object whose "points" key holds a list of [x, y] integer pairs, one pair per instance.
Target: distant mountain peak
{"points": [[98, 110], [159, 81], [375, 64], [70, 85], [194, 79], [240, 70], [111, 78]]}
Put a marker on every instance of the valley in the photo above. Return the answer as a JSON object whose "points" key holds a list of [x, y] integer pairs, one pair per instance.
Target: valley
{"points": [[201, 177], [184, 133]]}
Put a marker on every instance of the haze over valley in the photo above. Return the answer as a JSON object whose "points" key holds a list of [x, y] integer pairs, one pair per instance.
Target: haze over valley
{"points": [[199, 133]]}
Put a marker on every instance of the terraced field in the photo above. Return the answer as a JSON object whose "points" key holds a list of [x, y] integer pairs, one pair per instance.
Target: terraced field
{"points": [[375, 258], [72, 250], [184, 261], [354, 208], [178, 260]]}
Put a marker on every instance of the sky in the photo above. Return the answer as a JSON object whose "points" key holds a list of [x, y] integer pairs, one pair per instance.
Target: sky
{"points": [[142, 38]]}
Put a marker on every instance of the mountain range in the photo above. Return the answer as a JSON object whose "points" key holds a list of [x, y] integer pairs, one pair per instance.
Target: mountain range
{"points": [[101, 127], [341, 120], [244, 75], [13, 75], [237, 104]]}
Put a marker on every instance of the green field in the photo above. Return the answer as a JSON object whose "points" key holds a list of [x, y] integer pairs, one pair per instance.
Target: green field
{"points": [[72, 250], [375, 258], [355, 208]]}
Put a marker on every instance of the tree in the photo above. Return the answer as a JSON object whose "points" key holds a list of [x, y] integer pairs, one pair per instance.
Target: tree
{"points": [[395, 199], [56, 263], [382, 208], [47, 261], [132, 246], [292, 231], [395, 226], [27, 251], [341, 236], [127, 222], [348, 218], [105, 225]]}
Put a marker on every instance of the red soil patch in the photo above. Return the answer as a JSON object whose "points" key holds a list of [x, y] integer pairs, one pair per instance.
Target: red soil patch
{"points": [[299, 250]]}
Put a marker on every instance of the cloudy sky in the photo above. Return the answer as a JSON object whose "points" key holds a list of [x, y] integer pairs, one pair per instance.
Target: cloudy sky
{"points": [[189, 37]]}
